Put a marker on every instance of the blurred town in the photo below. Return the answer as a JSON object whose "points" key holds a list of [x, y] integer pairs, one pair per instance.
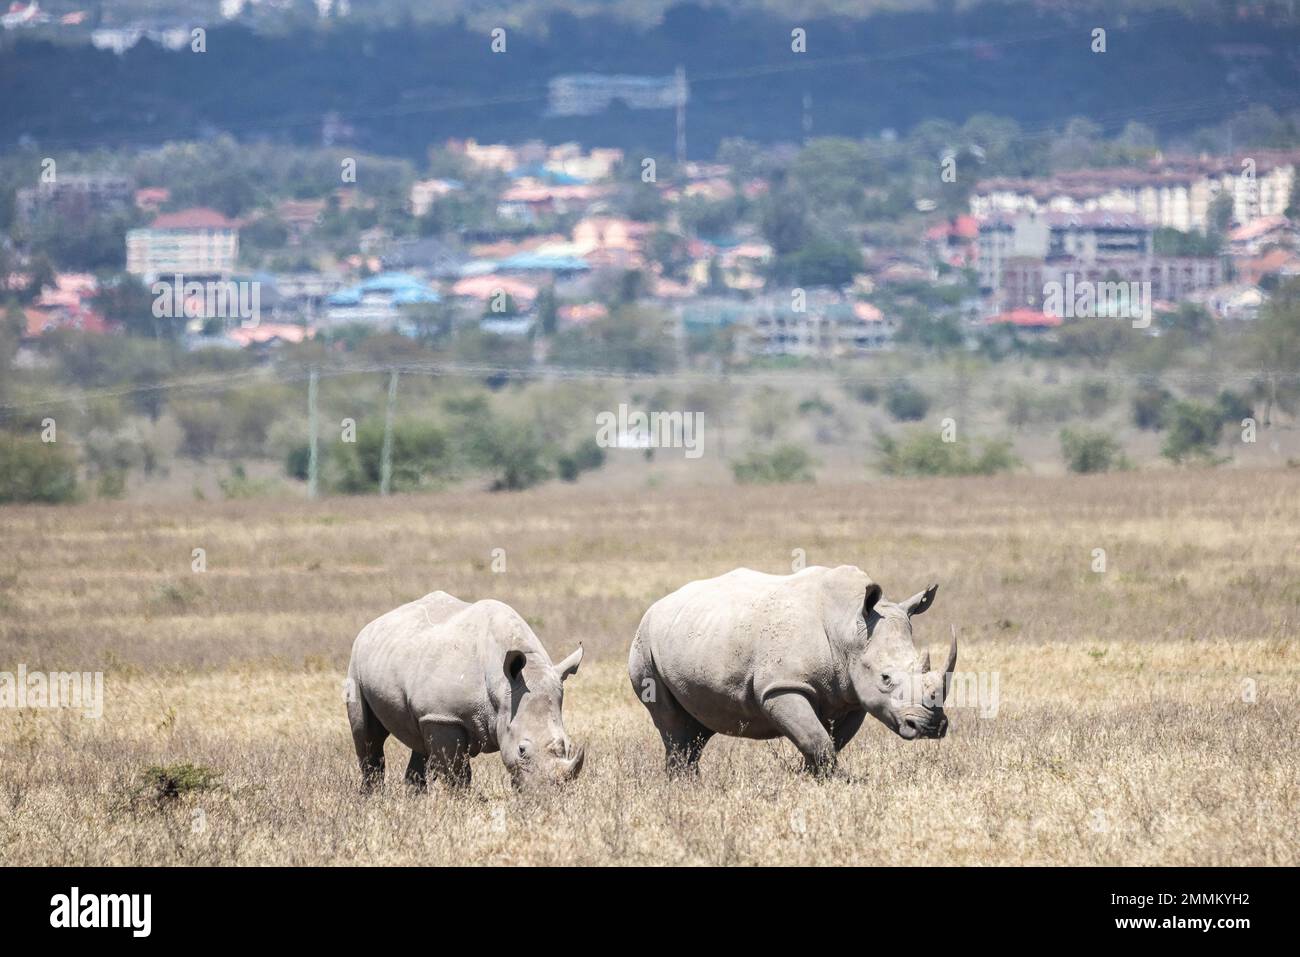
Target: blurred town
{"points": [[528, 243]]}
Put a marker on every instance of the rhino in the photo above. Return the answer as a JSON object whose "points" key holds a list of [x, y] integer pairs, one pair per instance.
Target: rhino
{"points": [[805, 656], [452, 680]]}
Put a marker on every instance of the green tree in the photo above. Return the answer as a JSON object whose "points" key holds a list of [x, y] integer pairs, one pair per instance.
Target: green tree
{"points": [[1087, 451], [1194, 431]]}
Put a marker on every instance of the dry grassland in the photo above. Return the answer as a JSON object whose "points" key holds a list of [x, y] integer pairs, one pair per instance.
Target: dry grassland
{"points": [[1145, 715]]}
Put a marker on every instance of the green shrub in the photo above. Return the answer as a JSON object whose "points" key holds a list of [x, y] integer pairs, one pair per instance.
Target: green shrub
{"points": [[1041, 404], [35, 471], [926, 453], [906, 402], [111, 484], [778, 465], [1095, 397], [588, 456], [165, 783], [1150, 404], [1086, 452], [298, 462], [423, 457], [1194, 431], [238, 485], [513, 451], [201, 424], [864, 390], [1233, 407], [249, 415]]}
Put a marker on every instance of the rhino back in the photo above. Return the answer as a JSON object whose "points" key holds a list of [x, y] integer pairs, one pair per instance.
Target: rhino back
{"points": [[723, 644], [436, 657]]}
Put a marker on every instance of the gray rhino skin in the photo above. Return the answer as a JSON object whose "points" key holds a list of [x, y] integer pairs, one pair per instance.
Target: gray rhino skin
{"points": [[805, 656], [451, 680]]}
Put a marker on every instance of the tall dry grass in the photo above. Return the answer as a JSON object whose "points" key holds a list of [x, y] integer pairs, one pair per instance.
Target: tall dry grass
{"points": [[1124, 731]]}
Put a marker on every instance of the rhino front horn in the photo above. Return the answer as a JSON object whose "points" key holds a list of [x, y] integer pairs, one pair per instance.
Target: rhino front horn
{"points": [[575, 763], [951, 666], [925, 661]]}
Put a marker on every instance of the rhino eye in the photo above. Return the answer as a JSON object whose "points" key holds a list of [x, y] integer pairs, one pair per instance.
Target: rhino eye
{"points": [[886, 680]]}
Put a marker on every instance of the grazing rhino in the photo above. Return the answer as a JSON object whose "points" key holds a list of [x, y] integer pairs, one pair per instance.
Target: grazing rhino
{"points": [[451, 680], [805, 656]]}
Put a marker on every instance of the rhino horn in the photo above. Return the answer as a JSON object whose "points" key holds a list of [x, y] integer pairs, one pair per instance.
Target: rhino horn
{"points": [[574, 764], [925, 661], [951, 666]]}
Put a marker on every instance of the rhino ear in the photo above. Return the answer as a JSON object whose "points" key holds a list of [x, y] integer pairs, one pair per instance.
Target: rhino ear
{"points": [[921, 601], [872, 596], [569, 665], [514, 664]]}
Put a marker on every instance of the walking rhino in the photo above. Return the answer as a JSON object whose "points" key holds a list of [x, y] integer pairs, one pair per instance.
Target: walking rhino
{"points": [[805, 656], [451, 680]]}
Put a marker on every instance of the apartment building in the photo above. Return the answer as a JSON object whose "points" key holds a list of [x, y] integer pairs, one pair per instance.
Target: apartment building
{"points": [[191, 243]]}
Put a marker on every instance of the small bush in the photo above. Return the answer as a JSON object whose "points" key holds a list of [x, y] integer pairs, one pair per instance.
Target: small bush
{"points": [[514, 452], [926, 453], [35, 471], [1027, 406], [864, 390], [1233, 407], [422, 457], [1194, 431], [201, 427], [1095, 397], [1087, 452], [166, 783], [1150, 404], [297, 462], [588, 456], [781, 464], [906, 402]]}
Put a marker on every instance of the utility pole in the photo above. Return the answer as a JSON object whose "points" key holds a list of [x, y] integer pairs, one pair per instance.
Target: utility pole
{"points": [[313, 463], [386, 456], [681, 114]]}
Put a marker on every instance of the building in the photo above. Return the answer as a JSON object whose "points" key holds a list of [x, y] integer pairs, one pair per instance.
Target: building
{"points": [[828, 328], [75, 196], [192, 243], [379, 300], [1020, 255], [1173, 193], [1257, 236], [425, 191]]}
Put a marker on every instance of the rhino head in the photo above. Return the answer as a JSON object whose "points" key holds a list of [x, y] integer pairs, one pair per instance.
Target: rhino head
{"points": [[534, 746], [890, 679]]}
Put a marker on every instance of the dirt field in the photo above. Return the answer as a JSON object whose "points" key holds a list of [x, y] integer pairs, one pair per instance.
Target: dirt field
{"points": [[1145, 714]]}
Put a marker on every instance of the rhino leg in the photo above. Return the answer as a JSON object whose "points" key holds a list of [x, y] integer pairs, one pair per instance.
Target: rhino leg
{"points": [[793, 715], [843, 730], [447, 745], [368, 736], [415, 771], [684, 737]]}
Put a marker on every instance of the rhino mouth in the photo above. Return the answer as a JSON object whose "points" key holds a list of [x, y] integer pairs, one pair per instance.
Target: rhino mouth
{"points": [[911, 727]]}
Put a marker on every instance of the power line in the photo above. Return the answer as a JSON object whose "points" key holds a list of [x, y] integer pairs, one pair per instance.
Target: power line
{"points": [[530, 374]]}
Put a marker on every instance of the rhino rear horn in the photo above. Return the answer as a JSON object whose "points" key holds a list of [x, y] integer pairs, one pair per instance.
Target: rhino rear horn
{"points": [[925, 661]]}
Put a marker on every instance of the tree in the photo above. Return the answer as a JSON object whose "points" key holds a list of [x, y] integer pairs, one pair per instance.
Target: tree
{"points": [[547, 311], [1194, 431], [1274, 347], [1090, 451], [906, 402]]}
